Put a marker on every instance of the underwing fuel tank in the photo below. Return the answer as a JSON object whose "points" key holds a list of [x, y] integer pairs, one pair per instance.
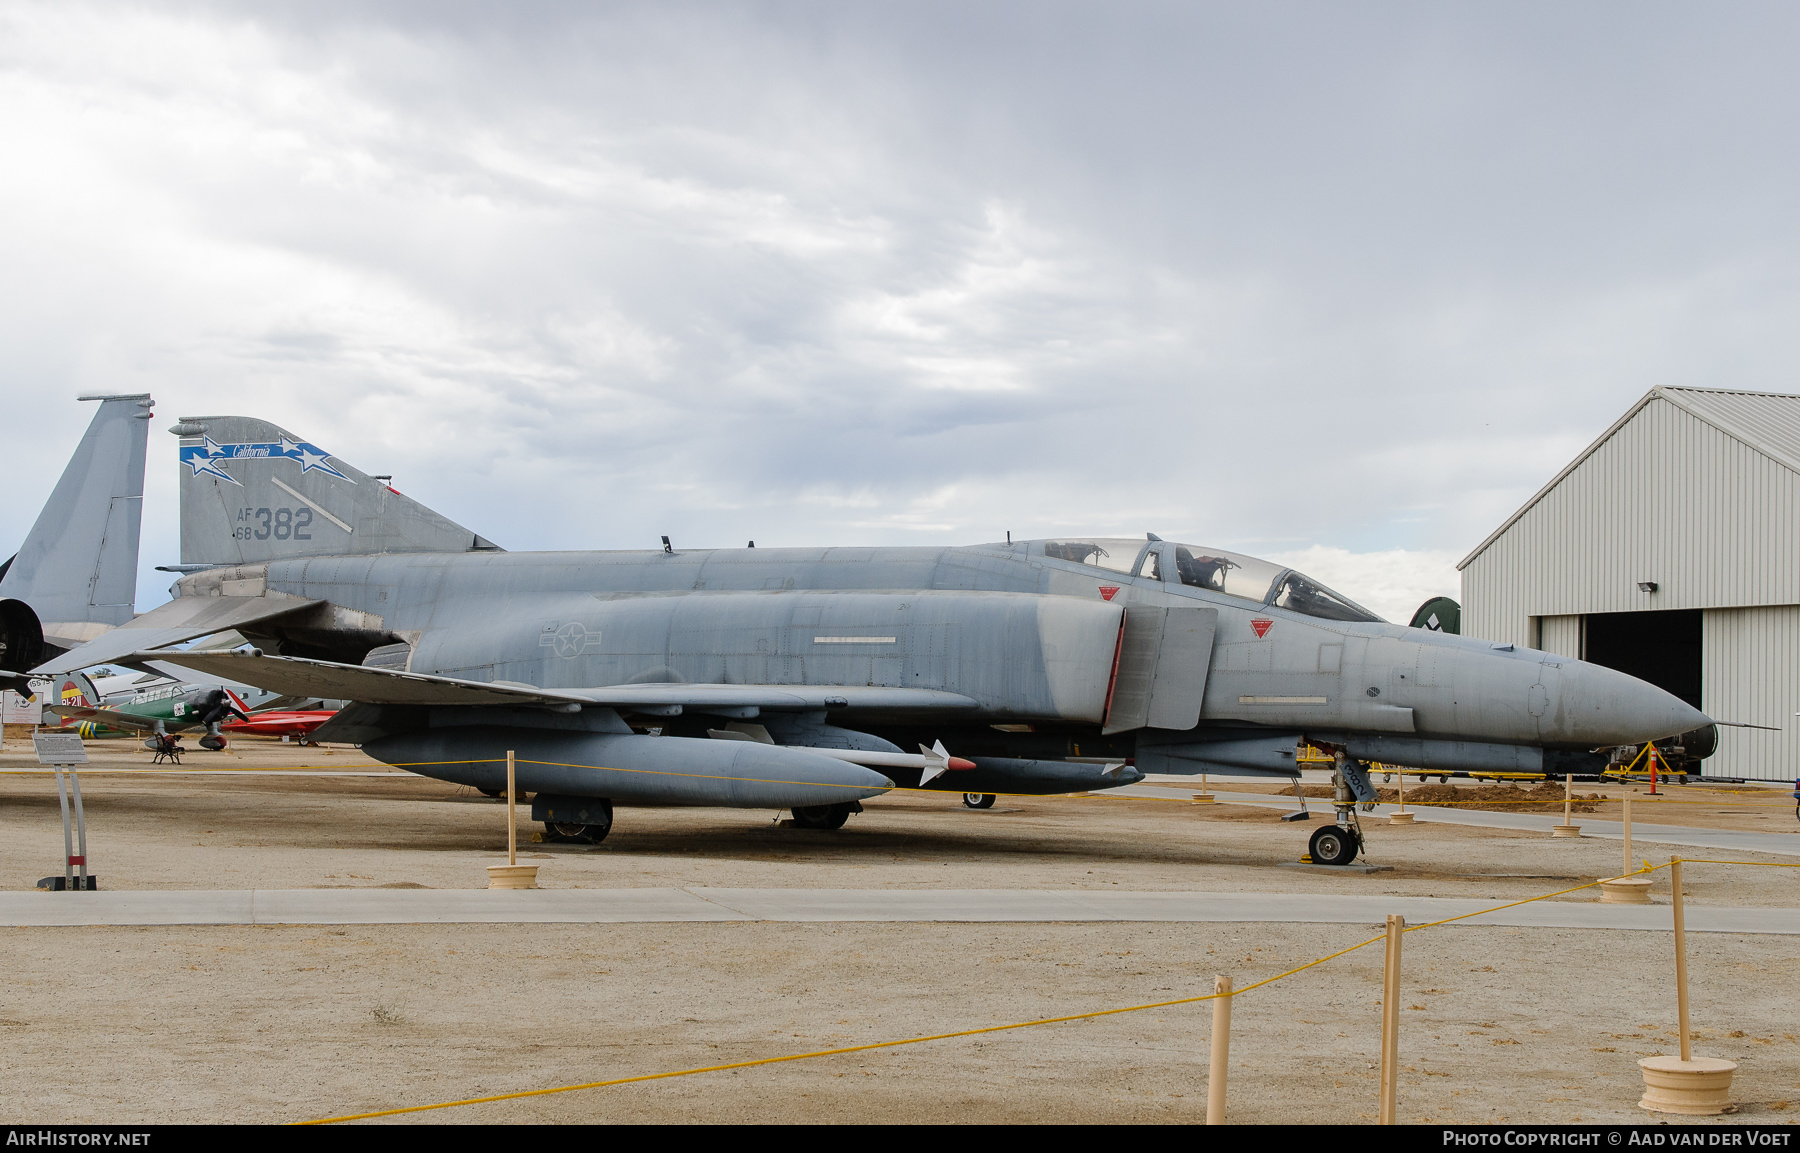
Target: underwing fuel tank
{"points": [[631, 769]]}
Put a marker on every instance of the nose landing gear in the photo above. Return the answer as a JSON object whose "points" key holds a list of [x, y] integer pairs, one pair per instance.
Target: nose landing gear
{"points": [[1332, 845], [1339, 843]]}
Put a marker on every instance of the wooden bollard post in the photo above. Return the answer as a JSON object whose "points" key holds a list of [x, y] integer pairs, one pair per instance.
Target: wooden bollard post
{"points": [[1688, 1085], [512, 875], [1400, 816], [1221, 1051], [1204, 796], [1390, 1020], [1625, 889], [1681, 998], [1566, 829]]}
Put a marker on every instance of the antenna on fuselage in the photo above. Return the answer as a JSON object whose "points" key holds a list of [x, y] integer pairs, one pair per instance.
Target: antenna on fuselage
{"points": [[667, 547]]}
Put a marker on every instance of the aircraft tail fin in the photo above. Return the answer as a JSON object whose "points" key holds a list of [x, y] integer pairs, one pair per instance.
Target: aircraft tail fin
{"points": [[78, 565], [251, 491], [75, 689]]}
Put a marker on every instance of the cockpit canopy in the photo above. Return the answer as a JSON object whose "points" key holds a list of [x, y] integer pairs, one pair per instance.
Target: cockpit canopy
{"points": [[1210, 568]]}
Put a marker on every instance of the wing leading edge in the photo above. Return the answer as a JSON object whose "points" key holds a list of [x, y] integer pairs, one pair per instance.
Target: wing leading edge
{"points": [[301, 676]]}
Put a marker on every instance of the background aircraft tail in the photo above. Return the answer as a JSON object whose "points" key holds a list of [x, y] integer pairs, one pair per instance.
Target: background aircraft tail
{"points": [[77, 569], [252, 491]]}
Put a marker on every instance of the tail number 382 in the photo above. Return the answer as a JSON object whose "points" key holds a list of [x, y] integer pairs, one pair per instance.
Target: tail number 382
{"points": [[280, 523]]}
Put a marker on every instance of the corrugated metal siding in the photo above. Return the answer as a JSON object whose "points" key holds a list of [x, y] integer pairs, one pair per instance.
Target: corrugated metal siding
{"points": [[1667, 498], [1560, 635], [1768, 421], [1751, 672]]}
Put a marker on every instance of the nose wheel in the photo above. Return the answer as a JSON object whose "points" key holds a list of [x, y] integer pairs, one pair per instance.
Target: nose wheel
{"points": [[979, 800], [1334, 845]]}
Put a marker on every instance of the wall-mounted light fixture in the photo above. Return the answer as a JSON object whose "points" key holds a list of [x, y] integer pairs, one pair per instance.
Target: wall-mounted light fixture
{"points": [[1646, 586]]}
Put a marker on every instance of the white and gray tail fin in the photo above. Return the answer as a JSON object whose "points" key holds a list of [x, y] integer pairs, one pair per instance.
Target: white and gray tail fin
{"points": [[78, 565], [252, 491]]}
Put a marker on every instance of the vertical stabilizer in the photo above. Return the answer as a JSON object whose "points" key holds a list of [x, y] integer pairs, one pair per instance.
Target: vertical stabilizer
{"points": [[251, 491], [78, 565]]}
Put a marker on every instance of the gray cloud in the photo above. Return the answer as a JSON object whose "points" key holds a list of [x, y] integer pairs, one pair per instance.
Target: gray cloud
{"points": [[1267, 277]]}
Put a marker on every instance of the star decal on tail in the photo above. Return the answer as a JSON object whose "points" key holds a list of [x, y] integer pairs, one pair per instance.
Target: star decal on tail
{"points": [[203, 459]]}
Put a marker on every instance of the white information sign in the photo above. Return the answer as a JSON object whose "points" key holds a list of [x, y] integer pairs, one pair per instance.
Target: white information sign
{"points": [[59, 748], [14, 710]]}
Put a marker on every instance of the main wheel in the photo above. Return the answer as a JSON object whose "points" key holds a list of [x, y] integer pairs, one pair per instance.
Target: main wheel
{"points": [[1332, 845], [979, 800], [821, 816], [579, 834]]}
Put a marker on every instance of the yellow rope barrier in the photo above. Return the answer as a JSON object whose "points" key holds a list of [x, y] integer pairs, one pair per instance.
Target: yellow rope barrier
{"points": [[840, 785], [1648, 868]]}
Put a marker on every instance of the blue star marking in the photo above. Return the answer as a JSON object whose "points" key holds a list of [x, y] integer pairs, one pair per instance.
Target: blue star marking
{"points": [[203, 458]]}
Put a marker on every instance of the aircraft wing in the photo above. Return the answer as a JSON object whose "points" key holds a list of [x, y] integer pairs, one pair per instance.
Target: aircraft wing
{"points": [[181, 619], [113, 719], [299, 676]]}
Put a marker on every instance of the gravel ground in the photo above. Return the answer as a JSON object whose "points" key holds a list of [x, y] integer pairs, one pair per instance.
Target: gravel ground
{"points": [[286, 1023]]}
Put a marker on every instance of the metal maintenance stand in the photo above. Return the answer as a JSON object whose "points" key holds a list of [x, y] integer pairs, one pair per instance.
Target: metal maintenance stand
{"points": [[63, 751]]}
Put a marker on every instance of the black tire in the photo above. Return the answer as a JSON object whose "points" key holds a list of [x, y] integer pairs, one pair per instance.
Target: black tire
{"points": [[978, 800], [496, 794], [824, 817], [1333, 845], [568, 832]]}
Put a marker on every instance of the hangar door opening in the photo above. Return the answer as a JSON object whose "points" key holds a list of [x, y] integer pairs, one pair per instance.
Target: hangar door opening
{"points": [[1660, 647]]}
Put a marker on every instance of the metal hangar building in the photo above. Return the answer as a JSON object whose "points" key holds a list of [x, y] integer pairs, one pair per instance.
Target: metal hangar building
{"points": [[1670, 550]]}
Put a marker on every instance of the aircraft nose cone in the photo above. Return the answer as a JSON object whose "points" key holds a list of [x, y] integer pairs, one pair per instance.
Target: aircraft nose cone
{"points": [[1602, 706]]}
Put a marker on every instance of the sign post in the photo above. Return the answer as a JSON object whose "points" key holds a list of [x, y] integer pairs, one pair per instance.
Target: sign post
{"points": [[63, 751]]}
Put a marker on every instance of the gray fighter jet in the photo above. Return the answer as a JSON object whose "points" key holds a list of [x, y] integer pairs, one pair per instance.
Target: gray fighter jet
{"points": [[802, 678], [75, 576]]}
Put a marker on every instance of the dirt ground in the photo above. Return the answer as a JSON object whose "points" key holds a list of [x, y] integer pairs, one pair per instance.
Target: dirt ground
{"points": [[288, 1023]]}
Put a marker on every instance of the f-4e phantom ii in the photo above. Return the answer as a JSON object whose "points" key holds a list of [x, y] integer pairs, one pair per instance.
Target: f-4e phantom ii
{"points": [[803, 678]]}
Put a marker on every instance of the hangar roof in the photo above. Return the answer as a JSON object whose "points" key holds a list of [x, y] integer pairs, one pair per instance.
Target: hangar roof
{"points": [[1768, 422]]}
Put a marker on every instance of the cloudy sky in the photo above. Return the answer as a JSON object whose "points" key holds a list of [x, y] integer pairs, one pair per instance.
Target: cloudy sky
{"points": [[1340, 283]]}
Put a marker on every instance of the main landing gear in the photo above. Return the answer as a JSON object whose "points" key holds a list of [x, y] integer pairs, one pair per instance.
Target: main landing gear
{"points": [[824, 816], [979, 800], [578, 820]]}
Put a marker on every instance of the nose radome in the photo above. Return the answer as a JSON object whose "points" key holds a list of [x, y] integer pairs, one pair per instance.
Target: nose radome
{"points": [[1602, 706]]}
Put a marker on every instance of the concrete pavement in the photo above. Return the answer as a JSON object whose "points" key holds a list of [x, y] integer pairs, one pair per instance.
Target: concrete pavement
{"points": [[599, 906], [1724, 840]]}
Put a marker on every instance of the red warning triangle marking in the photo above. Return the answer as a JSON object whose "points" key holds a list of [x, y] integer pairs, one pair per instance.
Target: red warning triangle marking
{"points": [[1262, 626], [1108, 592]]}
